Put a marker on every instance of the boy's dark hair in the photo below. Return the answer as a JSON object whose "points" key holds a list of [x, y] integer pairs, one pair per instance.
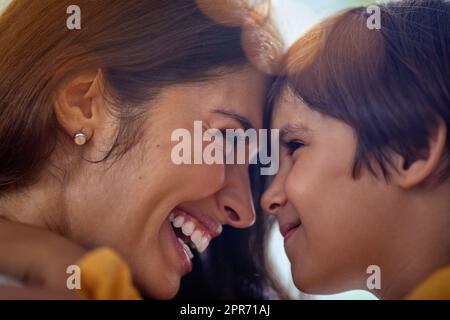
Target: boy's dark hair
{"points": [[390, 85]]}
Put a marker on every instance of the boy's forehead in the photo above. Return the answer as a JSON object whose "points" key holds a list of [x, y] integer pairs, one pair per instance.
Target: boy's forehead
{"points": [[284, 112], [288, 108]]}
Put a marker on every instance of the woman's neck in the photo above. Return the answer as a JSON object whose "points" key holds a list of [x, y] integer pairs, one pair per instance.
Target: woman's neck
{"points": [[38, 205]]}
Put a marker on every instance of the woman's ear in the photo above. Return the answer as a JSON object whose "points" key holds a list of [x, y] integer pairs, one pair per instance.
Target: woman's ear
{"points": [[79, 104], [412, 172]]}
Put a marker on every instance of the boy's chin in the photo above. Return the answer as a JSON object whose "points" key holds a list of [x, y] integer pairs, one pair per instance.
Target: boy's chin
{"points": [[317, 282]]}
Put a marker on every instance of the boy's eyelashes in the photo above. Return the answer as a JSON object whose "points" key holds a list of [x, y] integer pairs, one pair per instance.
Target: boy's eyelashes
{"points": [[293, 145]]}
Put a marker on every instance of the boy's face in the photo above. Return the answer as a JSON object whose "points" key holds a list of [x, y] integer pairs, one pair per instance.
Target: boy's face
{"points": [[334, 226]]}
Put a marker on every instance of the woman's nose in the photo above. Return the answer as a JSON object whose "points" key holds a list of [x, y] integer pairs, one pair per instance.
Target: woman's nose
{"points": [[235, 199], [274, 198]]}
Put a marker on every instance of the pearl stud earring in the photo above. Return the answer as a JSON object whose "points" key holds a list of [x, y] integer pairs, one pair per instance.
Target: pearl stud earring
{"points": [[80, 138]]}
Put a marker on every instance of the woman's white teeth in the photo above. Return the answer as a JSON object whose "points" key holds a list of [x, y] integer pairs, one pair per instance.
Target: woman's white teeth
{"points": [[188, 228], [186, 248], [202, 245], [196, 236], [199, 240], [178, 221]]}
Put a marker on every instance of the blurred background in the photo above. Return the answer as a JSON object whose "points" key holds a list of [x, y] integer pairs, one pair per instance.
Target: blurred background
{"points": [[294, 18], [3, 4]]}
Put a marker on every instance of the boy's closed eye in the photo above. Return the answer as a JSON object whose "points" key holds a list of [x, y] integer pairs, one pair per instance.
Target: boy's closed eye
{"points": [[293, 145]]}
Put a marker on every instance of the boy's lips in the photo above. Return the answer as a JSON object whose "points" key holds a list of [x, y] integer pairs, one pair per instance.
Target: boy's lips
{"points": [[287, 229]]}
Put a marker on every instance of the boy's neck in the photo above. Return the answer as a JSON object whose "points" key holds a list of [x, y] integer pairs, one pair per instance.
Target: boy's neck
{"points": [[421, 247]]}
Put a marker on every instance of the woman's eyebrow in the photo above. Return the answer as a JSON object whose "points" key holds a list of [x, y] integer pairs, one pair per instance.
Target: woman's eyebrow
{"points": [[244, 121]]}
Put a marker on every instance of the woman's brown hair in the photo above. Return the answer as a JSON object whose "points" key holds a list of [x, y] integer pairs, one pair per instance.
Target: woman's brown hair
{"points": [[140, 46]]}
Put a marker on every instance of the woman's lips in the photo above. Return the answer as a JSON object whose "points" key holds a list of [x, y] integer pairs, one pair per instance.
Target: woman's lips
{"points": [[205, 222], [194, 232], [288, 229], [191, 230], [185, 259]]}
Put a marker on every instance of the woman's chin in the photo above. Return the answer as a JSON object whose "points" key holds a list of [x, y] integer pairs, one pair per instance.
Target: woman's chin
{"points": [[161, 291]]}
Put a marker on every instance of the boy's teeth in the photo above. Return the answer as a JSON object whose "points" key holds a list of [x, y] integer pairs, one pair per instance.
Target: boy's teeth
{"points": [[188, 228], [178, 221], [171, 216]]}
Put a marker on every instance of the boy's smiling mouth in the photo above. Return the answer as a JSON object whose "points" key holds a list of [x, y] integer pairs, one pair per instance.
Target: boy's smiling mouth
{"points": [[288, 229]]}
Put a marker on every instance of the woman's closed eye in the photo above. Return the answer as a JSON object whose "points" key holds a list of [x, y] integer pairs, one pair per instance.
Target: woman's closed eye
{"points": [[229, 141], [235, 139]]}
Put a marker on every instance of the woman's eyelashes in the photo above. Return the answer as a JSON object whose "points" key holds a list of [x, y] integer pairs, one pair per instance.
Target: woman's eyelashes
{"points": [[234, 136], [228, 141]]}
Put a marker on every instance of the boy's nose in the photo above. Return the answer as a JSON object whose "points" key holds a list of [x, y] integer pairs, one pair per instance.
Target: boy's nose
{"points": [[274, 198]]}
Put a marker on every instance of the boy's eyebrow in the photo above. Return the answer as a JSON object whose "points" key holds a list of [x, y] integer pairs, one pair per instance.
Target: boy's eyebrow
{"points": [[244, 121], [296, 128]]}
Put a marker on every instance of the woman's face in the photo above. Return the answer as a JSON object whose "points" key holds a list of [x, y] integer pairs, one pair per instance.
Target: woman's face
{"points": [[334, 226], [129, 204]]}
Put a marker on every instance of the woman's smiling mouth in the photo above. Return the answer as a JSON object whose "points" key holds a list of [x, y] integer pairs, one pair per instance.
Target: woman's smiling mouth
{"points": [[193, 232]]}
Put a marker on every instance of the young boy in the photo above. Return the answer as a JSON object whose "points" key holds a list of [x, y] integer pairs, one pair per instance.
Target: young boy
{"points": [[363, 191]]}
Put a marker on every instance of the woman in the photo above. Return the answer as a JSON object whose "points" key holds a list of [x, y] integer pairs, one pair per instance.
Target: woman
{"points": [[362, 194], [86, 118]]}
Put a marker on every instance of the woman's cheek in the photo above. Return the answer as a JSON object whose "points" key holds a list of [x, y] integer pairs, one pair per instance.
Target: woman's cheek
{"points": [[212, 176], [202, 180]]}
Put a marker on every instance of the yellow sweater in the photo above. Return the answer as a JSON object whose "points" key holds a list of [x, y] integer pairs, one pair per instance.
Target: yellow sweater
{"points": [[435, 287], [105, 276]]}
